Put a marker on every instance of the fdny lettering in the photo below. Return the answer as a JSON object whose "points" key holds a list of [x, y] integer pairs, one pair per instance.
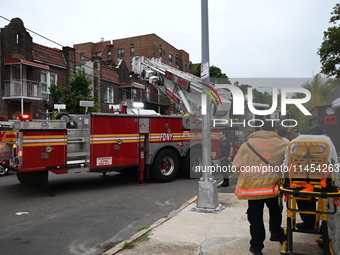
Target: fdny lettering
{"points": [[262, 145], [164, 137], [2, 135]]}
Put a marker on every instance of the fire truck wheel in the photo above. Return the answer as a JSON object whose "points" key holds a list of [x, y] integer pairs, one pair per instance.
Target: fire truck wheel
{"points": [[3, 170], [165, 166], [63, 116], [191, 161]]}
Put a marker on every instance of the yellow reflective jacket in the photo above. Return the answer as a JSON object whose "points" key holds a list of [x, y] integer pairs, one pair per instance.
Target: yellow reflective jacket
{"points": [[257, 180]]}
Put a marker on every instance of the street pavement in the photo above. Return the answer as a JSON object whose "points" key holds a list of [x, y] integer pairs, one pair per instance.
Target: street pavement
{"points": [[189, 231]]}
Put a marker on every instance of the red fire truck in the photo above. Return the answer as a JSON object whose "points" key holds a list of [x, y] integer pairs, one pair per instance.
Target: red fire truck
{"points": [[7, 140], [159, 146]]}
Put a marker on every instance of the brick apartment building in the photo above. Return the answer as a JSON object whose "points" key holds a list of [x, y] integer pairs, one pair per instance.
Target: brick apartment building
{"points": [[110, 54], [28, 69], [148, 46]]}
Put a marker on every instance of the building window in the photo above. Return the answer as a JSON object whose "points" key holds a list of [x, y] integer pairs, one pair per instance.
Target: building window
{"points": [[53, 78], [132, 51], [120, 53], [98, 54], [82, 57], [18, 38], [43, 82], [176, 60], [110, 95], [109, 53], [170, 58], [147, 92], [160, 52], [46, 79], [185, 63]]}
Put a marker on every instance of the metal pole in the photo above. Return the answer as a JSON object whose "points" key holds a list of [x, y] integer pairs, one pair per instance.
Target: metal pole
{"points": [[207, 191], [22, 90]]}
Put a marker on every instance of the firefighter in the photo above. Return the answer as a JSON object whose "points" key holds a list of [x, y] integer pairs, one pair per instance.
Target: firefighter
{"points": [[259, 183], [226, 152]]}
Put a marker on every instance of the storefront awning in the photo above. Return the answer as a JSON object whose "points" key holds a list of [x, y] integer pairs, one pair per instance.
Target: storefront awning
{"points": [[14, 61], [131, 85]]}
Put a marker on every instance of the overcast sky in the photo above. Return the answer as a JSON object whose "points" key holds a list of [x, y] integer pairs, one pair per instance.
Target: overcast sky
{"points": [[248, 38]]}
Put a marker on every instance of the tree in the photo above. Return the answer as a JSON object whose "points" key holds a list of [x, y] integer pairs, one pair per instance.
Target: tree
{"points": [[329, 51], [319, 87], [216, 74], [77, 90]]}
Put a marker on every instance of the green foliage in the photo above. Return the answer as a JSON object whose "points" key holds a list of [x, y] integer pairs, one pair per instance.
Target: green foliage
{"points": [[77, 90], [319, 88], [329, 51], [258, 96], [216, 74]]}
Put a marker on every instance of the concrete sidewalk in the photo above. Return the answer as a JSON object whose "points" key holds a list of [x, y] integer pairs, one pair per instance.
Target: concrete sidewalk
{"points": [[188, 231]]}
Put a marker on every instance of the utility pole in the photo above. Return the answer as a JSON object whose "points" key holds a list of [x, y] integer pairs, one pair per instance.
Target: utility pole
{"points": [[207, 198]]}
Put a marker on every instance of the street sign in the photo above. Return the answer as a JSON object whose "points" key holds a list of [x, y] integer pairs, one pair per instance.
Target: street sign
{"points": [[86, 103], [205, 70], [59, 106]]}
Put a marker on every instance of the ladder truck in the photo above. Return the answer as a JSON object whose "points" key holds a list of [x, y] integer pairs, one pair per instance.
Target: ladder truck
{"points": [[160, 147]]}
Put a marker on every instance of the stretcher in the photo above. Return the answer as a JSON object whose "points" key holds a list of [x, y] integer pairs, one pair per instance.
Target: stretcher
{"points": [[308, 175]]}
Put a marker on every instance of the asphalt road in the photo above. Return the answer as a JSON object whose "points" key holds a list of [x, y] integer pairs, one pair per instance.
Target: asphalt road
{"points": [[88, 214]]}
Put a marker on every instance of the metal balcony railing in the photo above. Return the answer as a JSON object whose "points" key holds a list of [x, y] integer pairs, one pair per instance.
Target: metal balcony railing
{"points": [[155, 98], [25, 89]]}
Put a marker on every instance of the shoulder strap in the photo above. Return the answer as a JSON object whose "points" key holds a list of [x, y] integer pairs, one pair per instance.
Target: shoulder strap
{"points": [[257, 154]]}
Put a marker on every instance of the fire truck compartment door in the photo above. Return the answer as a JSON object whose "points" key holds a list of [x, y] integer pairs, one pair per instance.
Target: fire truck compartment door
{"points": [[44, 149], [114, 141], [144, 125]]}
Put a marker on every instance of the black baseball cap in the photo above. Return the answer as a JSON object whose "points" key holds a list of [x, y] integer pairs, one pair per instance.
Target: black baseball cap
{"points": [[317, 129], [269, 125]]}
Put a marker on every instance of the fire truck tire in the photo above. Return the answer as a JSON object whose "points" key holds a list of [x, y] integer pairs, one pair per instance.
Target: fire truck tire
{"points": [[63, 116], [165, 166], [191, 160], [3, 170]]}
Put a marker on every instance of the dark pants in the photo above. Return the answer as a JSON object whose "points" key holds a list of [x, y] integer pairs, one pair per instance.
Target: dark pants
{"points": [[308, 219], [225, 163], [255, 218]]}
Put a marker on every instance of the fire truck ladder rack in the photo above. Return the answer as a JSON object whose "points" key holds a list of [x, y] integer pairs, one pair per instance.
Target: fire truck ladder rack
{"points": [[309, 179]]}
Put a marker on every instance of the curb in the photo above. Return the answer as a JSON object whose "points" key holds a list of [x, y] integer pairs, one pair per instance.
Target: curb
{"points": [[121, 245]]}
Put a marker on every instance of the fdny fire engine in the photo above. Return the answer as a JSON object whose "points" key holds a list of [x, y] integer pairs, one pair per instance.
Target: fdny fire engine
{"points": [[7, 140], [158, 146]]}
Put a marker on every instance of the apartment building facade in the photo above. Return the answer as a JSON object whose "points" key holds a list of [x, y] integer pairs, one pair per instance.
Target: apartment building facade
{"points": [[118, 53], [27, 69], [148, 46]]}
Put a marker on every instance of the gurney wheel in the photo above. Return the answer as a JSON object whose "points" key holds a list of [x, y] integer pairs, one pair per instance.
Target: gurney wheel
{"points": [[326, 242]]}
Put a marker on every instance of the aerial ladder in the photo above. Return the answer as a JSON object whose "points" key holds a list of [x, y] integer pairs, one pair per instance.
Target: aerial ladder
{"points": [[184, 89]]}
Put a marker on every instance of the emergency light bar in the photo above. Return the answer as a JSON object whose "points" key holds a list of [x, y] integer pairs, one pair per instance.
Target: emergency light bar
{"points": [[24, 117]]}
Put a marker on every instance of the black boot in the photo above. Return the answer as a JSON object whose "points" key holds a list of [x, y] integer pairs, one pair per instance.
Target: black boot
{"points": [[225, 182]]}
